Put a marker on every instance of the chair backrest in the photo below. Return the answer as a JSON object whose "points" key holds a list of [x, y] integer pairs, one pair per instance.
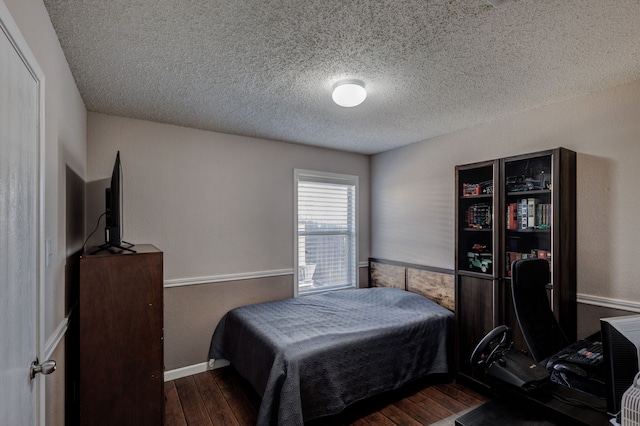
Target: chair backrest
{"points": [[539, 326]]}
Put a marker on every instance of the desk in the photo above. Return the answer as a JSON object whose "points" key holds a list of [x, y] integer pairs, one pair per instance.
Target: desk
{"points": [[539, 409]]}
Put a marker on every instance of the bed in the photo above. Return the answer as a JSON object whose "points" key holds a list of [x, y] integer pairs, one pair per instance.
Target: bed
{"points": [[312, 356]]}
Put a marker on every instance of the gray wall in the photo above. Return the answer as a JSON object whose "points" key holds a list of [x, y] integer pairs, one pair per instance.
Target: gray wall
{"points": [[412, 188], [221, 209]]}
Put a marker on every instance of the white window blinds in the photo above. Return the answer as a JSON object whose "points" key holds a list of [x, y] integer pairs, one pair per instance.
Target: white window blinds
{"points": [[326, 211]]}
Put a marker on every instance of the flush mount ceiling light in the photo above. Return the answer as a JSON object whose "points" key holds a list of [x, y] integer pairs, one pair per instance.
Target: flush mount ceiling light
{"points": [[349, 93]]}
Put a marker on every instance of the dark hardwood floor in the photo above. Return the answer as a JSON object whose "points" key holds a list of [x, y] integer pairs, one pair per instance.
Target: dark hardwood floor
{"points": [[222, 397]]}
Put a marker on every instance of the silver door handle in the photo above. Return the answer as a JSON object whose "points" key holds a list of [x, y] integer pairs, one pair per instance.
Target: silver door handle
{"points": [[45, 368]]}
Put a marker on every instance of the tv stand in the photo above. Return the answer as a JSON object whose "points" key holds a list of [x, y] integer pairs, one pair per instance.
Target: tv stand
{"points": [[107, 246], [119, 345]]}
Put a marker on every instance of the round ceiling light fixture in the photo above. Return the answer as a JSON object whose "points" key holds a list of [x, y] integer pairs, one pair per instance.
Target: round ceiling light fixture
{"points": [[349, 93]]}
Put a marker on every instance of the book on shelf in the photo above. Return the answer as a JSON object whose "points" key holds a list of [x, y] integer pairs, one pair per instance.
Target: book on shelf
{"points": [[512, 216], [543, 214], [532, 207], [528, 213], [512, 256], [523, 217]]}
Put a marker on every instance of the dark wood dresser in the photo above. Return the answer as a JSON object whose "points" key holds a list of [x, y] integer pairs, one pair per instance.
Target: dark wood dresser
{"points": [[121, 362]]}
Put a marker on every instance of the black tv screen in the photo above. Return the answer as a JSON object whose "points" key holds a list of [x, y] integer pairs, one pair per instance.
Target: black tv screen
{"points": [[113, 234], [113, 202]]}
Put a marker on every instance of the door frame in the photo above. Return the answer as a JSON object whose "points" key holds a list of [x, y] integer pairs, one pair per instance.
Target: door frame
{"points": [[11, 30]]}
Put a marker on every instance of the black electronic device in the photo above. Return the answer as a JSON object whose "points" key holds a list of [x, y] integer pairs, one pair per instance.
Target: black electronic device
{"points": [[491, 345], [587, 354], [113, 230], [579, 366], [567, 367], [502, 363], [621, 350]]}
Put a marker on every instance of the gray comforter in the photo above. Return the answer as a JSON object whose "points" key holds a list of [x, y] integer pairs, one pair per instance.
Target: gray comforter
{"points": [[312, 356]]}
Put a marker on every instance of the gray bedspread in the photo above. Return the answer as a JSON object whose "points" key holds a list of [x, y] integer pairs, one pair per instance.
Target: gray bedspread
{"points": [[312, 356]]}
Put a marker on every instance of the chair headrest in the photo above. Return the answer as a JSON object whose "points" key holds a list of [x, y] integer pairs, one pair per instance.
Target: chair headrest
{"points": [[528, 272]]}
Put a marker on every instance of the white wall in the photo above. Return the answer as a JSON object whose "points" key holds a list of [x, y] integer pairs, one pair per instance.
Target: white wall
{"points": [[217, 205], [65, 146], [413, 188]]}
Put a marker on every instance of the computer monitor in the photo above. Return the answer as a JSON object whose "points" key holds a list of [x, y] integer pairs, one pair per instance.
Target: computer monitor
{"points": [[621, 350]]}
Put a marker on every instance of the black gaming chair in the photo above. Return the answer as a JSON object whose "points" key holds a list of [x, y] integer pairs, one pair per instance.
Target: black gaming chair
{"points": [[539, 326]]}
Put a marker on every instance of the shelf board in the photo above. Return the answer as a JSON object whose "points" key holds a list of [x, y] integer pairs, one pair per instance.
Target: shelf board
{"points": [[476, 197], [531, 192], [469, 273], [528, 231]]}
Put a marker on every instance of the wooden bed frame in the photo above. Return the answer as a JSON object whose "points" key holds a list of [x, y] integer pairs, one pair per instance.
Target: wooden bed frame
{"points": [[436, 284]]}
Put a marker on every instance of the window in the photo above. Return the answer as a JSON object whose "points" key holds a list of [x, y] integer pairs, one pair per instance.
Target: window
{"points": [[326, 231]]}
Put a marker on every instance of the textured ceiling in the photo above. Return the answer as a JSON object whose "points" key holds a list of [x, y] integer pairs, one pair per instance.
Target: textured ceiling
{"points": [[266, 68]]}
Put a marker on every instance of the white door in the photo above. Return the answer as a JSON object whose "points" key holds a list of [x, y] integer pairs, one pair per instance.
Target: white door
{"points": [[19, 226]]}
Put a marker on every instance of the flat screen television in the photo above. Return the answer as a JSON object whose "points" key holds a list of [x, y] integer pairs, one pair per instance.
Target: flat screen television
{"points": [[621, 347], [113, 230], [113, 204]]}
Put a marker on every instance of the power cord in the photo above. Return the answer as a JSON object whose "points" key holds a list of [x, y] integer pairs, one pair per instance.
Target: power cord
{"points": [[93, 232]]}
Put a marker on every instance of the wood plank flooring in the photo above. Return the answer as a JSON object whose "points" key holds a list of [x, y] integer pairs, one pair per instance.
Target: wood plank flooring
{"points": [[221, 397]]}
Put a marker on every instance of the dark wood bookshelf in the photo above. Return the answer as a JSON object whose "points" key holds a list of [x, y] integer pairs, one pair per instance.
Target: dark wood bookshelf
{"points": [[483, 298]]}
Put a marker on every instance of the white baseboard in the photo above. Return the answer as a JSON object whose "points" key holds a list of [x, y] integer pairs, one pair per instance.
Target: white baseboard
{"points": [[54, 340], [190, 370]]}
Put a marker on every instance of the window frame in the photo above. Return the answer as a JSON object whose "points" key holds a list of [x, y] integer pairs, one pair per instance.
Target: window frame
{"points": [[331, 178]]}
